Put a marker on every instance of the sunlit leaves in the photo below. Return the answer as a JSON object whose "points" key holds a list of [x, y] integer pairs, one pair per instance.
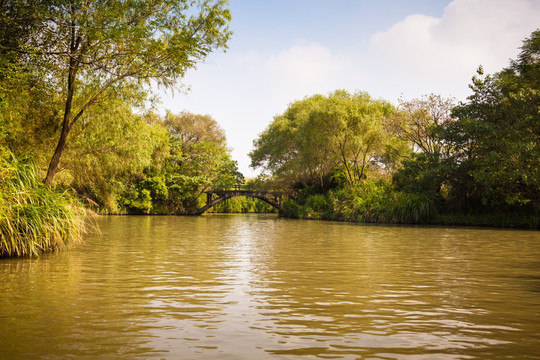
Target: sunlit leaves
{"points": [[89, 49], [317, 134], [109, 151]]}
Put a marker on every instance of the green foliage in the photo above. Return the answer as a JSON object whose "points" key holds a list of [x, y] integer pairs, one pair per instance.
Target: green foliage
{"points": [[291, 208], [149, 165], [497, 135], [316, 135], [71, 75], [28, 111], [199, 160], [334, 155], [137, 201], [33, 218], [490, 165], [109, 156], [156, 187], [89, 51], [378, 202], [314, 207], [370, 202], [423, 173]]}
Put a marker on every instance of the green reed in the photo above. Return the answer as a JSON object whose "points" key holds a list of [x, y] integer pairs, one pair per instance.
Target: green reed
{"points": [[34, 218]]}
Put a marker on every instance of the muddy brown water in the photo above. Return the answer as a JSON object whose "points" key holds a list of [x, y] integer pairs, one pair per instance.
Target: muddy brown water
{"points": [[260, 287]]}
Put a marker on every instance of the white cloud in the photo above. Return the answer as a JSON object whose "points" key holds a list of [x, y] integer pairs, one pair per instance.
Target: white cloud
{"points": [[398, 38], [296, 72], [304, 66], [442, 54]]}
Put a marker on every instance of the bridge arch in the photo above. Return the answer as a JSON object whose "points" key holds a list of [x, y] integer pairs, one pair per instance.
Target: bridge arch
{"points": [[271, 198]]}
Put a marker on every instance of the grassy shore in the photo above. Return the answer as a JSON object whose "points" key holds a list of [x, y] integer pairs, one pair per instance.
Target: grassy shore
{"points": [[34, 218]]}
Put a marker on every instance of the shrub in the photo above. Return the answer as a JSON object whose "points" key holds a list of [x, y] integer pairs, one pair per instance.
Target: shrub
{"points": [[137, 201], [371, 201], [314, 207]]}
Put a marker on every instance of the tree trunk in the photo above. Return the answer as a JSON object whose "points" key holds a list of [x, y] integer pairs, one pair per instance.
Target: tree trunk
{"points": [[66, 126], [55, 160], [346, 164], [361, 176]]}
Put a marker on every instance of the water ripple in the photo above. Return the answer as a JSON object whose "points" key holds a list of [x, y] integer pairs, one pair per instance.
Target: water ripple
{"points": [[248, 287]]}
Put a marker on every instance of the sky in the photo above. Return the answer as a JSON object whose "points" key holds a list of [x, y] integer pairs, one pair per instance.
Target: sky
{"points": [[285, 50]]}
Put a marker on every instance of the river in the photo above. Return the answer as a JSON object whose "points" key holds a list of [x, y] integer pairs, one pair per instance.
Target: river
{"points": [[260, 287]]}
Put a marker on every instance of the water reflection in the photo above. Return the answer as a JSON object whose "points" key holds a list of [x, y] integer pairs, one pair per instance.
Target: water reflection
{"points": [[258, 287]]}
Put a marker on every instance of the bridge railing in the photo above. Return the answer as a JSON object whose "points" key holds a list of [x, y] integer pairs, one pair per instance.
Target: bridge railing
{"points": [[242, 187]]}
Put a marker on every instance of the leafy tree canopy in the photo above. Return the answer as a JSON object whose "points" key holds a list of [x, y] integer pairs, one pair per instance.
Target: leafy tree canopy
{"points": [[199, 159], [87, 49], [316, 135]]}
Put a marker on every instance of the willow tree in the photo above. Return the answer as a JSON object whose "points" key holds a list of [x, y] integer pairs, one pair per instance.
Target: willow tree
{"points": [[87, 49], [295, 147], [319, 134], [355, 125]]}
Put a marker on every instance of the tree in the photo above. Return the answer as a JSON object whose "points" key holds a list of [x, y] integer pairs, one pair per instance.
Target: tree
{"points": [[485, 158], [294, 149], [497, 133], [113, 153], [28, 110], [421, 121], [316, 135], [359, 137], [89, 49]]}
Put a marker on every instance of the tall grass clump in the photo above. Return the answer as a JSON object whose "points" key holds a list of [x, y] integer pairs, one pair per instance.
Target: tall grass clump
{"points": [[33, 218]]}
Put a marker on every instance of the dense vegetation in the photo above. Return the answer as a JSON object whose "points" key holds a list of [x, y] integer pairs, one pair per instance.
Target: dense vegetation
{"points": [[350, 157], [242, 204], [75, 98]]}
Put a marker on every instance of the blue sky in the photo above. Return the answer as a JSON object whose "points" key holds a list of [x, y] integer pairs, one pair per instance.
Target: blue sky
{"points": [[285, 50]]}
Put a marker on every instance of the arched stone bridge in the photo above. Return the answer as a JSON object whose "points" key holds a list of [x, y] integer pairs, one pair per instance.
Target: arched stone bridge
{"points": [[273, 198]]}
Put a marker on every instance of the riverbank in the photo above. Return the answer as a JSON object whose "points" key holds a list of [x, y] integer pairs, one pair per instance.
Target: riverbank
{"points": [[378, 202], [35, 218]]}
